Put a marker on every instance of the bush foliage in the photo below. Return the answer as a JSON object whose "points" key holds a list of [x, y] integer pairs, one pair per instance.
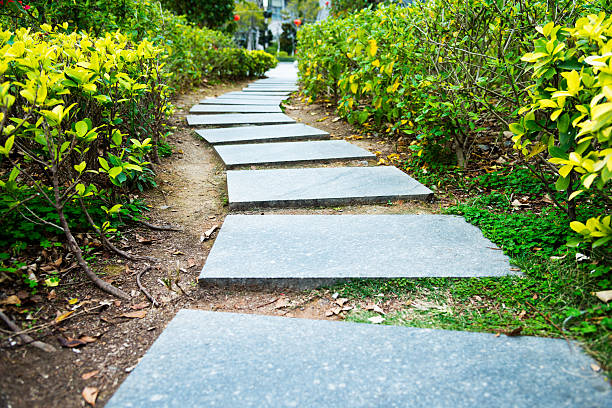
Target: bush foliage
{"points": [[83, 112], [442, 72]]}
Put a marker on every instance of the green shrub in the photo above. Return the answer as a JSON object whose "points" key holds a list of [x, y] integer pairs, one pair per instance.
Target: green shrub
{"points": [[568, 120], [212, 14], [441, 73]]}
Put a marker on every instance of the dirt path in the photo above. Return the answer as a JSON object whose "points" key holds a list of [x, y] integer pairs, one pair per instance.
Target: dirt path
{"points": [[191, 194]]}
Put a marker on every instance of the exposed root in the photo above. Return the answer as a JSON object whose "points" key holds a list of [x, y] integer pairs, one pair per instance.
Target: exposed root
{"points": [[25, 338], [142, 288]]}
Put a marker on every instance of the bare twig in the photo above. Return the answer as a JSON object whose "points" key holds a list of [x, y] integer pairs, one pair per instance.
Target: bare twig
{"points": [[25, 338], [549, 322], [142, 288], [109, 244], [153, 226]]}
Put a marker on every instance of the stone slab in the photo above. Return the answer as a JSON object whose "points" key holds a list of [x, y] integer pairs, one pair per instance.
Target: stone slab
{"points": [[303, 251], [291, 152], [321, 187], [256, 96], [275, 82], [236, 109], [262, 134], [239, 101], [238, 119], [270, 88], [255, 93], [213, 359]]}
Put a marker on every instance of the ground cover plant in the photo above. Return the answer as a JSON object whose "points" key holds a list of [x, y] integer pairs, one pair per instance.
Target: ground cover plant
{"points": [[504, 109]]}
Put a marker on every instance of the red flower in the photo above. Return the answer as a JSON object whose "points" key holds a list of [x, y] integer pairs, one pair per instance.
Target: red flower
{"points": [[236, 17]]}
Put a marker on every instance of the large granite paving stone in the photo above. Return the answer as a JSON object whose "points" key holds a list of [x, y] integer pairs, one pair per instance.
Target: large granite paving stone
{"points": [[255, 96], [306, 251], [291, 152], [273, 83], [236, 109], [213, 359], [238, 119], [255, 93], [321, 187], [259, 134], [240, 101], [270, 88]]}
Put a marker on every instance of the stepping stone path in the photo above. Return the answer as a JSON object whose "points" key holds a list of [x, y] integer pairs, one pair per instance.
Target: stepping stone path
{"points": [[240, 101], [292, 152], [258, 134], [257, 96], [238, 119], [213, 359], [321, 187], [243, 360], [236, 109], [293, 249]]}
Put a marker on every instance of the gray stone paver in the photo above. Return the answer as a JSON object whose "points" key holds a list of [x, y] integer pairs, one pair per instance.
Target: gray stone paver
{"points": [[240, 101], [259, 134], [206, 359], [238, 119], [270, 88], [321, 187], [306, 251], [254, 93], [290, 152], [235, 109], [255, 96]]}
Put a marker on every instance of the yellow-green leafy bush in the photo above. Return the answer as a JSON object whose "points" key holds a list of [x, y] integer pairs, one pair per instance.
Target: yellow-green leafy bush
{"points": [[79, 117], [568, 121]]}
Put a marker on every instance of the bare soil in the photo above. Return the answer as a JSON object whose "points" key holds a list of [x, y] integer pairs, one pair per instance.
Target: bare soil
{"points": [[103, 338]]}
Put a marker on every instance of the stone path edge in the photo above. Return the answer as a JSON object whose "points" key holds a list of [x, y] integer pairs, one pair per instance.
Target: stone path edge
{"points": [[325, 202]]}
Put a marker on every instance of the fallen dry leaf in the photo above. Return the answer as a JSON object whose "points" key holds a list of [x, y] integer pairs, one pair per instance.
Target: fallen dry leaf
{"points": [[191, 262], [329, 313], [375, 308], [140, 306], [52, 295], [63, 316], [70, 342], [11, 300], [87, 339], [58, 262], [90, 394], [208, 233], [336, 310], [341, 301], [90, 374], [143, 240], [514, 332], [135, 315], [605, 295], [376, 319], [595, 367]]}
